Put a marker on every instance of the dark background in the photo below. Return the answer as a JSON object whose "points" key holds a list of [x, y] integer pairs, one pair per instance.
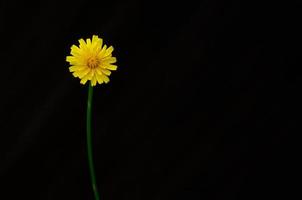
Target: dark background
{"points": [[202, 105]]}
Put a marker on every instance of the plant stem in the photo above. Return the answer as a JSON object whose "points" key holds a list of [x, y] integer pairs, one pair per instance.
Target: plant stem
{"points": [[89, 142]]}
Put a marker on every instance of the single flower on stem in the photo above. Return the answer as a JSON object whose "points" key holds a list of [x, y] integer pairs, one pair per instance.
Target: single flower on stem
{"points": [[93, 62]]}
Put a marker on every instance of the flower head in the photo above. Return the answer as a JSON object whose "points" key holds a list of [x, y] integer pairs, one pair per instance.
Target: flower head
{"points": [[91, 61]]}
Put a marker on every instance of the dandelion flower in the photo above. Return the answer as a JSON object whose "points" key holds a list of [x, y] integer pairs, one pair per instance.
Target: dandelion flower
{"points": [[91, 61]]}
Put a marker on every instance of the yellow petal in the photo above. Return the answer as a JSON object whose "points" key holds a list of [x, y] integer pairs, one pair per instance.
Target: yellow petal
{"points": [[108, 51], [95, 38], [99, 71], [109, 60], [75, 74], [104, 78], [105, 71], [83, 73], [89, 75], [102, 52], [70, 58], [75, 50], [110, 67], [73, 60], [76, 68], [96, 43], [82, 44], [88, 41], [99, 78], [93, 81], [84, 80]]}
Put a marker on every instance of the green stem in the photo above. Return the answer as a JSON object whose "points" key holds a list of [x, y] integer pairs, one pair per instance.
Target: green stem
{"points": [[89, 142]]}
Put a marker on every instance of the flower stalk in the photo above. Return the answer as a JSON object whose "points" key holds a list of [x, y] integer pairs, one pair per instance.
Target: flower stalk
{"points": [[89, 142]]}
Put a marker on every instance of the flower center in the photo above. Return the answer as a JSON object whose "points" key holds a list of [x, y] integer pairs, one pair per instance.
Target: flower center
{"points": [[93, 62]]}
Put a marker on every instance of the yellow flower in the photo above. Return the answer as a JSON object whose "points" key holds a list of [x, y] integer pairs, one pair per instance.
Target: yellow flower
{"points": [[91, 61]]}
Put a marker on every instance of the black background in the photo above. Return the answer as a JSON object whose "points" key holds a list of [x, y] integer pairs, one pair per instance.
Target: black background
{"points": [[202, 105]]}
